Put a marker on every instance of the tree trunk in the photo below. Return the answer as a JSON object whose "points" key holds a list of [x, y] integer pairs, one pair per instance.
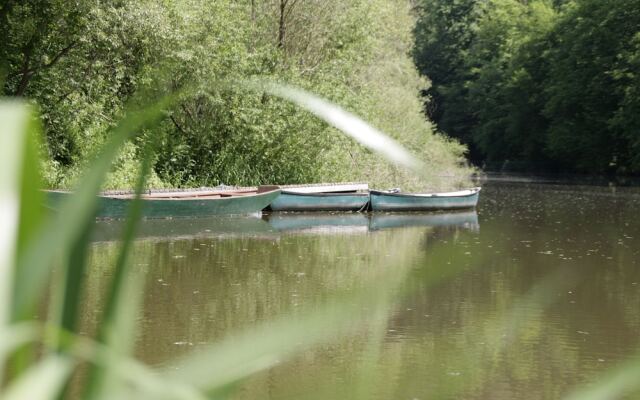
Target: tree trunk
{"points": [[24, 83], [282, 27], [26, 69]]}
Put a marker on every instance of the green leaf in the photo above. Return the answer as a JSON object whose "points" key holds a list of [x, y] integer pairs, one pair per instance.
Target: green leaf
{"points": [[59, 232], [614, 385], [265, 346], [19, 196], [13, 117], [140, 381], [43, 381], [71, 291], [117, 327], [14, 336], [31, 195], [348, 123]]}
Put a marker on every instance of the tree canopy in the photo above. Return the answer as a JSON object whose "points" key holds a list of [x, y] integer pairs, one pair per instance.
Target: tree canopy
{"points": [[539, 85], [82, 63]]}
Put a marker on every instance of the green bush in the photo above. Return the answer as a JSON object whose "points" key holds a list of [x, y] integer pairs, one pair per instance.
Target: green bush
{"points": [[84, 69]]}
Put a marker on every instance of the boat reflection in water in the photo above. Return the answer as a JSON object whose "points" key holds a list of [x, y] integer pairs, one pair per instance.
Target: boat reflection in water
{"points": [[270, 226], [462, 219], [317, 222], [187, 228]]}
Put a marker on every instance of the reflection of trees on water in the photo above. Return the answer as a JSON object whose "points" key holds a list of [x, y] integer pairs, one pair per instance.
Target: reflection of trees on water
{"points": [[583, 322], [443, 234], [200, 290], [530, 312], [542, 298]]}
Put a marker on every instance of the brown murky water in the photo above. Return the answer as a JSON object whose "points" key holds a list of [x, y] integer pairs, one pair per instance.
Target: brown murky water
{"points": [[536, 294]]}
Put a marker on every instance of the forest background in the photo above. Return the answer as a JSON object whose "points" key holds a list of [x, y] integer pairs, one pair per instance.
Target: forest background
{"points": [[83, 61], [524, 85], [535, 85]]}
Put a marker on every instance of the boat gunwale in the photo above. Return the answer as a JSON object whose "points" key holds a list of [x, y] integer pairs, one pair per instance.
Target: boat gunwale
{"points": [[208, 196], [326, 194], [345, 187], [473, 191], [204, 197]]}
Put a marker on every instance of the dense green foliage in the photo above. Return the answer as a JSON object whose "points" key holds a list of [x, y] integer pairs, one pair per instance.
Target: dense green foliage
{"points": [[538, 85], [82, 64], [443, 35]]}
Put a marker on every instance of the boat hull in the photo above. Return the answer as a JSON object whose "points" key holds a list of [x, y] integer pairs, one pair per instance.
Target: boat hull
{"points": [[114, 207], [382, 201], [288, 201]]}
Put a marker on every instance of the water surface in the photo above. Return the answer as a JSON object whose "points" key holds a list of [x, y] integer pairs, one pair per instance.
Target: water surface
{"points": [[536, 293]]}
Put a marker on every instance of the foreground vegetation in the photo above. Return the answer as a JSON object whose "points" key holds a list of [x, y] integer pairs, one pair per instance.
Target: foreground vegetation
{"points": [[82, 64], [537, 85], [43, 286]]}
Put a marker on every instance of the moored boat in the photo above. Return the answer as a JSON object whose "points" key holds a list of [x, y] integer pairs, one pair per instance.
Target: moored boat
{"points": [[189, 203], [395, 201], [322, 197]]}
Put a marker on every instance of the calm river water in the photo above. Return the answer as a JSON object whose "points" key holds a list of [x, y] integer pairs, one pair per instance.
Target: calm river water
{"points": [[535, 294]]}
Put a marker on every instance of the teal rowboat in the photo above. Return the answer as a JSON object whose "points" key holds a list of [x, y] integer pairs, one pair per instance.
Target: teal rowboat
{"points": [[196, 203], [389, 201], [325, 197], [289, 201]]}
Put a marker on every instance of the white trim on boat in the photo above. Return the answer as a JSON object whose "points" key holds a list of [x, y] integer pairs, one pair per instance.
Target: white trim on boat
{"points": [[459, 193], [326, 188]]}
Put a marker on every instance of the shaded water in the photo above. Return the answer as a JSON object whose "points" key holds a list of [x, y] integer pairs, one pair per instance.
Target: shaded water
{"points": [[535, 294]]}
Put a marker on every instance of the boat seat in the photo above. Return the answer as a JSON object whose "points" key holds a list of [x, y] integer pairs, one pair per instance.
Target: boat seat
{"points": [[267, 188]]}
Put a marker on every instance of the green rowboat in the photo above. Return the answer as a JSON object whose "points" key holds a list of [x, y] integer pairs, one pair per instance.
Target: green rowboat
{"points": [[390, 201], [193, 203], [288, 201]]}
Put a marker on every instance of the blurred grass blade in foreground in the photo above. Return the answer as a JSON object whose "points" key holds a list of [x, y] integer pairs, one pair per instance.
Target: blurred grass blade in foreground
{"points": [[117, 327], [43, 381], [59, 232], [13, 123], [615, 384], [20, 197], [348, 124]]}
